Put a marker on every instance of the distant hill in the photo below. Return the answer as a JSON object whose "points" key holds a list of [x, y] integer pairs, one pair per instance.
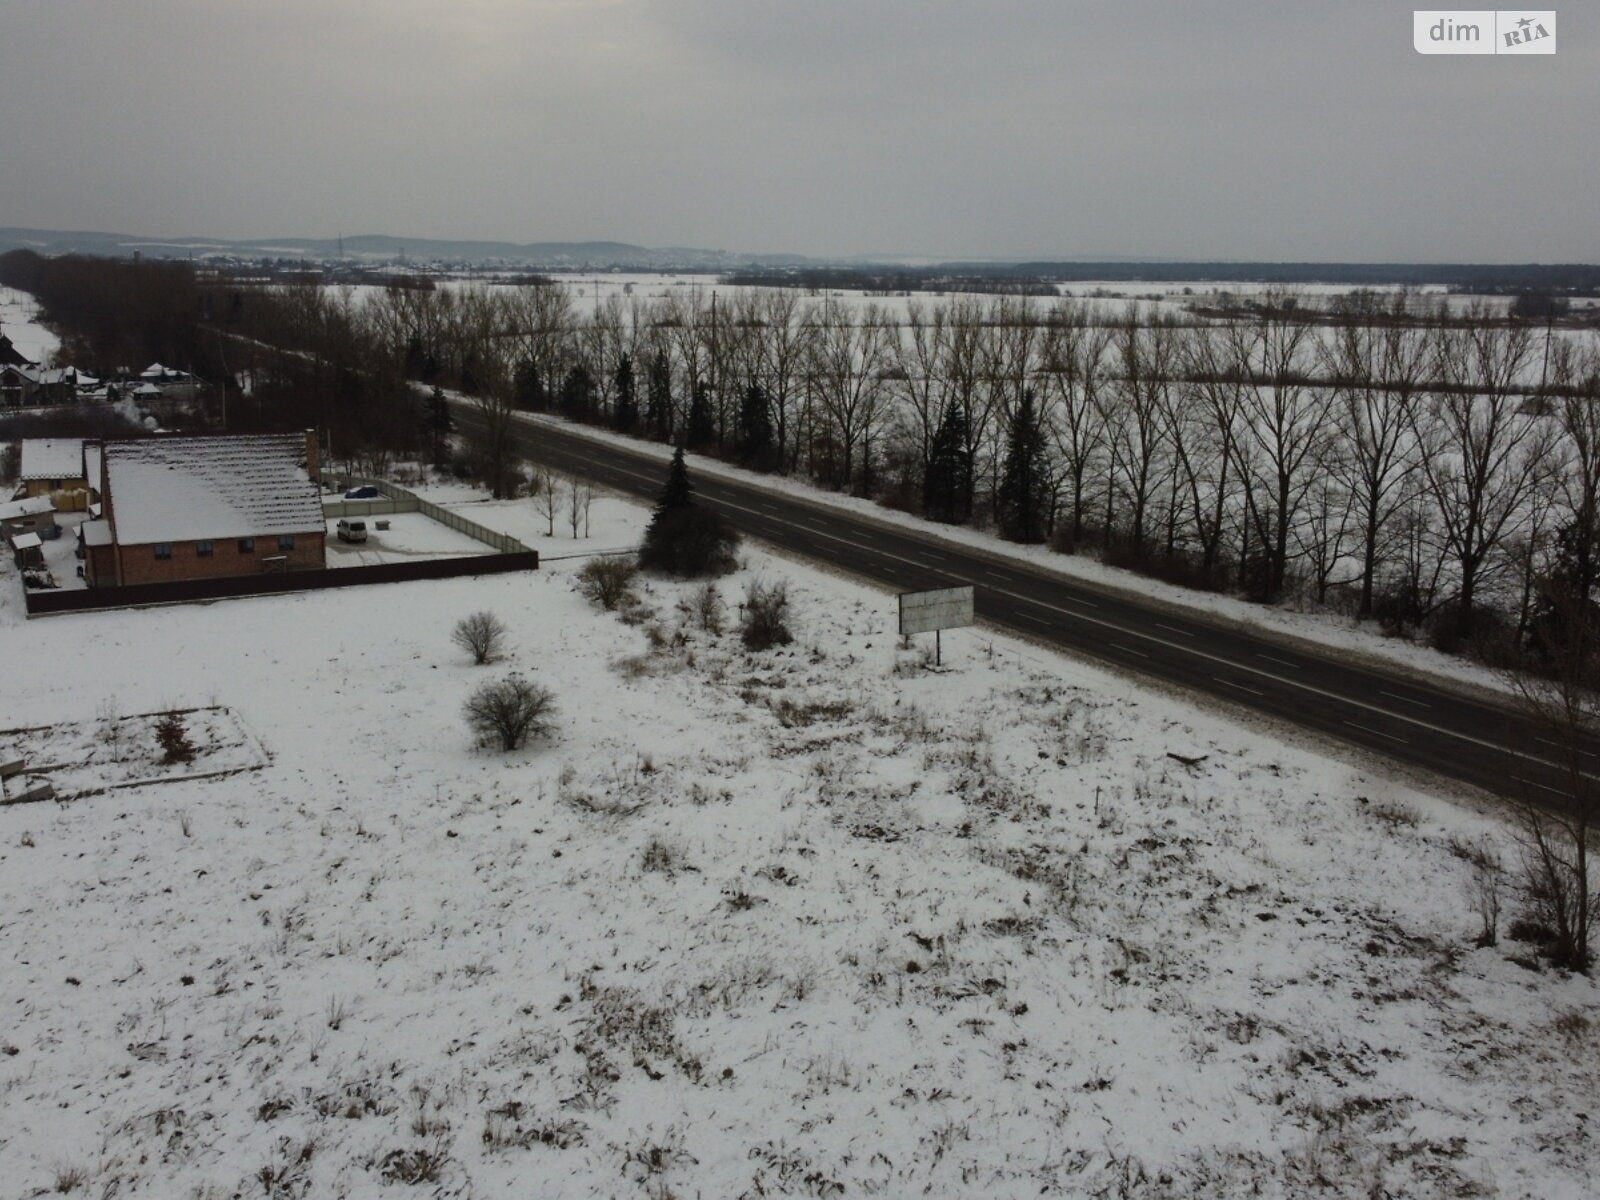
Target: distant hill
{"points": [[382, 248], [376, 249]]}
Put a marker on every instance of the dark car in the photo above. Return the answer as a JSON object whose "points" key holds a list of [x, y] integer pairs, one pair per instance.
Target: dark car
{"points": [[365, 492]]}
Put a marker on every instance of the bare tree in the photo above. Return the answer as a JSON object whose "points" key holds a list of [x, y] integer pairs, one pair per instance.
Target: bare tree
{"points": [[1072, 371], [481, 635], [1133, 412], [546, 490], [506, 712], [1286, 424], [492, 439], [1558, 686], [1482, 451], [1377, 366], [579, 496]]}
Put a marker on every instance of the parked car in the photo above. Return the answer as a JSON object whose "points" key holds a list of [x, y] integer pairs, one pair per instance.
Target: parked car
{"points": [[365, 492], [351, 531]]}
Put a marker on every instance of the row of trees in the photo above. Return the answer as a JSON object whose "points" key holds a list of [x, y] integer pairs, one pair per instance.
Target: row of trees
{"points": [[1424, 465], [1416, 464]]}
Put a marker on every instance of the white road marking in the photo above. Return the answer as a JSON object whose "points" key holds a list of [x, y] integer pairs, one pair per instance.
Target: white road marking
{"points": [[1170, 629], [1239, 686], [1281, 662], [1405, 699], [1542, 786], [1128, 650], [1376, 732]]}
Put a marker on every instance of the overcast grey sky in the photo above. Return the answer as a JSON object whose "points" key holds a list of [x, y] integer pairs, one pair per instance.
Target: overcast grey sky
{"points": [[1271, 129]]}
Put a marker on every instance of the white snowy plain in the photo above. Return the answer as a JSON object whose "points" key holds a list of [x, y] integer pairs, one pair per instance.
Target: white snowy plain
{"points": [[816, 921]]}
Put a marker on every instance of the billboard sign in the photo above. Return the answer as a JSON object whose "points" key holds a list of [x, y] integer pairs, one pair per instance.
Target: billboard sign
{"points": [[928, 612]]}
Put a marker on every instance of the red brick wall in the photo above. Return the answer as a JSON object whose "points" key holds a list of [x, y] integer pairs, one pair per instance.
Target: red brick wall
{"points": [[140, 564], [100, 566]]}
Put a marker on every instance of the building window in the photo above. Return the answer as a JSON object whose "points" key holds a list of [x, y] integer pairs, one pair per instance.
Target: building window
{"points": [[202, 549], [286, 541], [163, 551], [247, 545]]}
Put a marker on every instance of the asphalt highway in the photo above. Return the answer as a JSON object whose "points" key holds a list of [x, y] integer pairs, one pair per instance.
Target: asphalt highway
{"points": [[1398, 715]]}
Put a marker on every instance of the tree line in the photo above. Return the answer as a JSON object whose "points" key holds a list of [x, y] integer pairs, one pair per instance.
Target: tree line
{"points": [[1425, 468]]}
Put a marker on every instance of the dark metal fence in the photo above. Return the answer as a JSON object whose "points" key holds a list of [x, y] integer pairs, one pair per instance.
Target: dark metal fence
{"points": [[188, 591]]}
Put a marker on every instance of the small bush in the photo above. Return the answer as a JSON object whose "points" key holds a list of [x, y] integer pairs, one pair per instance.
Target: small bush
{"points": [[481, 635], [174, 739], [507, 711], [709, 608], [608, 581], [765, 621]]}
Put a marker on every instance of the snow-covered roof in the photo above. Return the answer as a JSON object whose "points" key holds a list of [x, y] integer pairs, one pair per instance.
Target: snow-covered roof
{"points": [[91, 463], [52, 458], [147, 389], [26, 541], [180, 489], [95, 533], [153, 371], [31, 507]]}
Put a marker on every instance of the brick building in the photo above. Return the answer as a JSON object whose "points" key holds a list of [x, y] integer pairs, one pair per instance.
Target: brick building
{"points": [[203, 507]]}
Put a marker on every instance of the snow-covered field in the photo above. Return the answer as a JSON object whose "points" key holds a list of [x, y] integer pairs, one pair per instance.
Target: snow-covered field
{"points": [[817, 921], [19, 321]]}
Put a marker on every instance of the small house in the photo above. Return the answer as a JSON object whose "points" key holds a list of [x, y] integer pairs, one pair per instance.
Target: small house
{"points": [[33, 514], [54, 467], [203, 507]]}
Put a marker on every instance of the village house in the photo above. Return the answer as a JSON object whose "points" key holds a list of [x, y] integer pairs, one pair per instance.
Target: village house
{"points": [[35, 514], [55, 467], [36, 387], [203, 507]]}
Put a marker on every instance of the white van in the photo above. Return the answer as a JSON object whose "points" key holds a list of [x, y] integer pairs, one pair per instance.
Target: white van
{"points": [[352, 531]]}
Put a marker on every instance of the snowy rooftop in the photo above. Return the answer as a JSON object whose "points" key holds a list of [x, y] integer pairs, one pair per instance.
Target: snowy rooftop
{"points": [[30, 507], [95, 533], [182, 489], [52, 458]]}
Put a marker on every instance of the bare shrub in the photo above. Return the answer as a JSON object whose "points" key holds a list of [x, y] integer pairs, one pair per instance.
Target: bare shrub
{"points": [[507, 711], [608, 581], [709, 608], [173, 738], [420, 1164], [481, 635], [512, 1127], [1484, 887], [663, 857], [765, 616]]}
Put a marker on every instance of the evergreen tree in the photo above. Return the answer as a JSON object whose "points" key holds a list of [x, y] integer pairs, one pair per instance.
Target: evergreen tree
{"points": [[658, 398], [528, 388], [577, 393], [438, 424], [947, 486], [755, 429], [416, 356], [626, 414], [685, 538], [702, 430], [1023, 503], [1564, 617], [678, 491]]}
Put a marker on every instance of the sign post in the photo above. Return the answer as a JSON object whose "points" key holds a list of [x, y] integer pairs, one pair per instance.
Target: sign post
{"points": [[935, 611]]}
